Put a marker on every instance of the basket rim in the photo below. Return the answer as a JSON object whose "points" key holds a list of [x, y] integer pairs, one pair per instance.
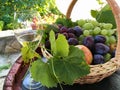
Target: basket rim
{"points": [[97, 72]]}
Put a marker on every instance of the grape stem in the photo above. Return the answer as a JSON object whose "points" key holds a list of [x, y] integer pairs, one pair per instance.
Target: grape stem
{"points": [[116, 12]]}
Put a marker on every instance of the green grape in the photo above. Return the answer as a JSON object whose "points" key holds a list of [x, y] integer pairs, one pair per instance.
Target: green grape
{"points": [[81, 39], [111, 32], [95, 23], [107, 26], [88, 20], [112, 39], [91, 32], [96, 30], [86, 32], [88, 26], [101, 25], [107, 40], [115, 31], [104, 32], [81, 22], [107, 57]]}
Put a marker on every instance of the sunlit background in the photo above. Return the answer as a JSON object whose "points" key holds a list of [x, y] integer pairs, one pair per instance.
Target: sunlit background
{"points": [[81, 9]]}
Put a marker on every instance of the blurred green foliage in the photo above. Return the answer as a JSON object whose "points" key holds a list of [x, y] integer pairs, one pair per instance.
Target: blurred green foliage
{"points": [[8, 7], [1, 25]]}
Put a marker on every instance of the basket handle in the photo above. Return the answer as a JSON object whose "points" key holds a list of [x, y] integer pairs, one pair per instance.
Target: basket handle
{"points": [[116, 12], [70, 8]]}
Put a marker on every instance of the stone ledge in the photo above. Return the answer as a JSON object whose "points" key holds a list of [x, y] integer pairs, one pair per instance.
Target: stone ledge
{"points": [[8, 42]]}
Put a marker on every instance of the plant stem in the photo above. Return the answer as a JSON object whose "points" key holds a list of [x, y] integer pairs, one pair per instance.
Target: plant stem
{"points": [[56, 75]]}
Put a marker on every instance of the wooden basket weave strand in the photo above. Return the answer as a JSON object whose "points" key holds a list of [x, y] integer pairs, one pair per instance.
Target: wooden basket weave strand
{"points": [[100, 71]]}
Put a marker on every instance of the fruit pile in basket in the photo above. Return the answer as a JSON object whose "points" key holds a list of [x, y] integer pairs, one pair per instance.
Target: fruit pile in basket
{"points": [[73, 49], [97, 40], [70, 49]]}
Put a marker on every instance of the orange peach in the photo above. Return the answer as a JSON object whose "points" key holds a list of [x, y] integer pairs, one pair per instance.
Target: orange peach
{"points": [[87, 52]]}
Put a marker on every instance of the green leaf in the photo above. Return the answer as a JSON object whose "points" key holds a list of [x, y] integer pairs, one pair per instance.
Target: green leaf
{"points": [[94, 13], [28, 53], [106, 7], [105, 15], [57, 46], [60, 70], [53, 27], [52, 42], [62, 46], [70, 68], [64, 21], [40, 72], [100, 1]]}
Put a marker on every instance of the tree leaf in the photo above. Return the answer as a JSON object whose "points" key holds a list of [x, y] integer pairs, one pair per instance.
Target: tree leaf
{"points": [[70, 68], [41, 73], [62, 46]]}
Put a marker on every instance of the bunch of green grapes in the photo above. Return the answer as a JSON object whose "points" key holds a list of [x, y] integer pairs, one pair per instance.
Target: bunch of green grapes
{"points": [[93, 28], [100, 38]]}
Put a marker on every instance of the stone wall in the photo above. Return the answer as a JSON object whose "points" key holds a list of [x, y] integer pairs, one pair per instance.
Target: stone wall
{"points": [[8, 42]]}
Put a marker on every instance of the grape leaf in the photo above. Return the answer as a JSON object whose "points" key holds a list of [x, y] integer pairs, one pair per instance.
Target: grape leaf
{"points": [[100, 2], [70, 68], [64, 21], [105, 15], [62, 46], [60, 70], [53, 27], [53, 43], [40, 72], [94, 13], [28, 53]]}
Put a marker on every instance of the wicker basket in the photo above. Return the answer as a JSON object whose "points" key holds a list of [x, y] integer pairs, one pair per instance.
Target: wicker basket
{"points": [[100, 71]]}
